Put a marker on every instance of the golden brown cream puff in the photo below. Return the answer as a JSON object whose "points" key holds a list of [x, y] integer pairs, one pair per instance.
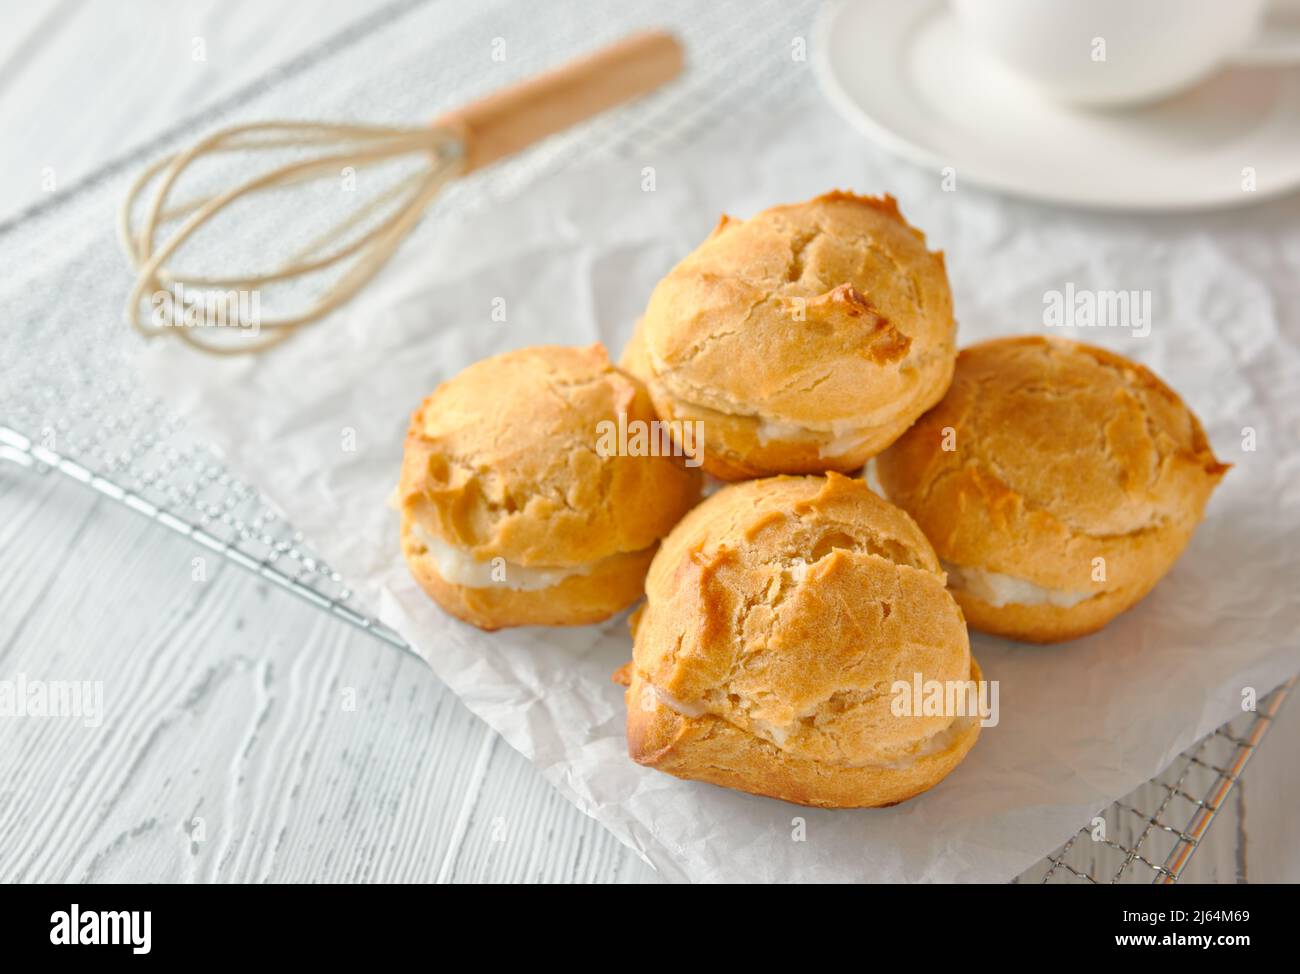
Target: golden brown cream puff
{"points": [[519, 508], [805, 339], [1058, 482], [781, 616]]}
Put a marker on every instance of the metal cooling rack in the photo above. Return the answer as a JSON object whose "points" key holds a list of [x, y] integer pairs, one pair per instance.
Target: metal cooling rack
{"points": [[70, 401], [1141, 840]]}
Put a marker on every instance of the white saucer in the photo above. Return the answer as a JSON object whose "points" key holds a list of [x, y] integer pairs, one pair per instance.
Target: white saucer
{"points": [[906, 77]]}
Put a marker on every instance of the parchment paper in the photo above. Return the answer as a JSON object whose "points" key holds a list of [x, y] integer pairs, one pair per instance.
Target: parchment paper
{"points": [[574, 261]]}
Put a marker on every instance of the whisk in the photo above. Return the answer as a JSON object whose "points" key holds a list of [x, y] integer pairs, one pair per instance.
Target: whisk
{"points": [[453, 145]]}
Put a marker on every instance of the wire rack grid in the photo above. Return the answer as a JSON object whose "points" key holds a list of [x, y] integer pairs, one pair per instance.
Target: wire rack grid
{"points": [[70, 402]]}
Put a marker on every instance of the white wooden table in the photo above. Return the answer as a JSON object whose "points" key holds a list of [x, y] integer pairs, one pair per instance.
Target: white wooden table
{"points": [[260, 739]]}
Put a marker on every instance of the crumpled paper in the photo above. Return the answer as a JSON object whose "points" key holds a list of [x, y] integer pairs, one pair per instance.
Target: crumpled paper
{"points": [[573, 260]]}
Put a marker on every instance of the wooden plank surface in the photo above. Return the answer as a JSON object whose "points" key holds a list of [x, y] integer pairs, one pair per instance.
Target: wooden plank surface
{"points": [[246, 735]]}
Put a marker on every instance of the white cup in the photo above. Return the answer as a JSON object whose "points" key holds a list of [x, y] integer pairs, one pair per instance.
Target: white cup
{"points": [[1112, 52]]}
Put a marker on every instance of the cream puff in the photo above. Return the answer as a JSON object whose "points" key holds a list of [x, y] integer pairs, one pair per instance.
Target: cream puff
{"points": [[1058, 482], [804, 339], [520, 502], [783, 618]]}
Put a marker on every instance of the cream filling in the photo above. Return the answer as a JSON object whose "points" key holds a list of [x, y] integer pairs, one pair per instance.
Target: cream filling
{"points": [[459, 567], [935, 744], [843, 438], [998, 590], [677, 706], [871, 474], [778, 735]]}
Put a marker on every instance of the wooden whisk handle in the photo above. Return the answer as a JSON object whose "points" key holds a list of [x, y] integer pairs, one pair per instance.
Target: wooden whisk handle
{"points": [[516, 117]]}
